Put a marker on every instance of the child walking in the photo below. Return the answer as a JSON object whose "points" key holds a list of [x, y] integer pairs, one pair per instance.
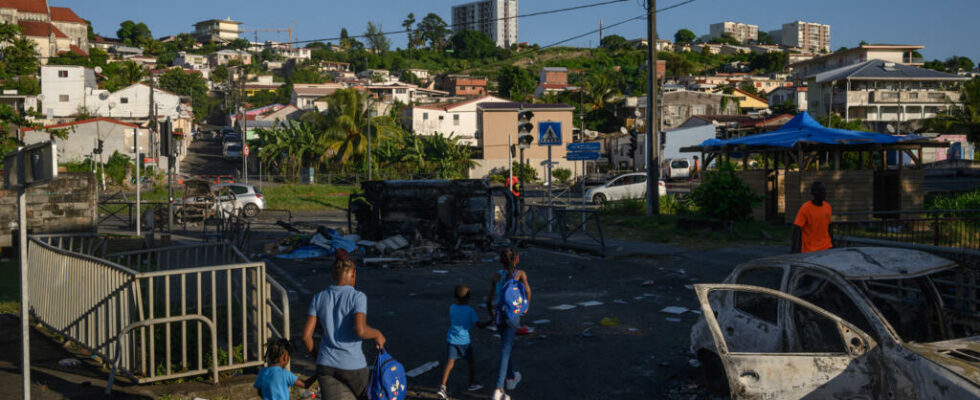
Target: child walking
{"points": [[506, 324], [462, 317], [274, 381]]}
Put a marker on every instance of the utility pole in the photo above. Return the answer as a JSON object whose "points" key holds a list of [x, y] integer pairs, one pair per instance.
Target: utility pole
{"points": [[244, 109], [153, 124], [653, 127]]}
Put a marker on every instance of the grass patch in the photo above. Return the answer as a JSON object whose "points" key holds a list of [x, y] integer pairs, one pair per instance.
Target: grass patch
{"points": [[308, 197], [9, 287]]}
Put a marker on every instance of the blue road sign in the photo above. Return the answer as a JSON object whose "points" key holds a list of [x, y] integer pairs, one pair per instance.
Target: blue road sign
{"points": [[549, 133], [582, 156], [584, 146]]}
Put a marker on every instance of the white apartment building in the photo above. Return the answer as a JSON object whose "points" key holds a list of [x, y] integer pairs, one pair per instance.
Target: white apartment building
{"points": [[66, 89], [496, 18], [217, 30], [806, 35], [744, 33], [456, 119], [191, 61]]}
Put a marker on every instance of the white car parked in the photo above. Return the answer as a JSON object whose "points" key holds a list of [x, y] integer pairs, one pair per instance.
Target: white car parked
{"points": [[626, 186], [248, 197], [676, 168]]}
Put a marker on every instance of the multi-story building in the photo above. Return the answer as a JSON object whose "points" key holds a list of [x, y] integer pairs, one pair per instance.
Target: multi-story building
{"points": [[217, 30], [66, 89], [462, 85], [744, 33], [896, 53], [456, 119], [496, 18], [806, 35], [883, 93], [222, 57], [496, 122], [54, 30]]}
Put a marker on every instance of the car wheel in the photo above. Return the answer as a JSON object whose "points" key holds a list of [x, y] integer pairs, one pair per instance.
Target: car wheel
{"points": [[715, 378], [250, 210], [599, 199]]}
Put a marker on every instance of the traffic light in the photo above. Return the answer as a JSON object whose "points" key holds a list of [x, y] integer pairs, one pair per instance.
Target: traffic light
{"points": [[633, 142], [167, 148], [524, 128], [663, 140], [99, 147]]}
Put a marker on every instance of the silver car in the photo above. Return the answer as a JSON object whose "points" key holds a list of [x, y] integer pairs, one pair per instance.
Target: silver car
{"points": [[855, 323], [249, 198]]}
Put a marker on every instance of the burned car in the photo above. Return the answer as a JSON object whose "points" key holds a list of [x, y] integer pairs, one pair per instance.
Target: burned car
{"points": [[450, 212], [868, 323]]}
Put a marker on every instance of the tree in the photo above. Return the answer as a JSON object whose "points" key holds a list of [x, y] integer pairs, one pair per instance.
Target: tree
{"points": [[963, 120], [434, 31], [376, 38], [346, 138], [238, 44], [786, 107], [307, 74], [184, 42], [725, 38], [407, 24], [189, 84], [958, 63], [90, 32], [473, 45], [613, 42], [290, 147], [515, 83], [936, 65], [120, 75], [134, 34], [748, 87], [684, 36], [768, 62], [410, 78], [764, 38]]}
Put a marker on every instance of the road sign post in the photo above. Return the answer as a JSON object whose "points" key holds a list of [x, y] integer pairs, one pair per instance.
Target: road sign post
{"points": [[549, 134]]}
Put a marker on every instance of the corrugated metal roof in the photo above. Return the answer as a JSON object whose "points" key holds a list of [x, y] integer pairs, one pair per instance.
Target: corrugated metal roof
{"points": [[884, 70]]}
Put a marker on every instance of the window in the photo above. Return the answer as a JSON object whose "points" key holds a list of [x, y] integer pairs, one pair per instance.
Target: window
{"points": [[441, 117], [425, 116], [63, 98], [239, 189], [937, 96], [400, 91], [456, 119], [827, 295], [913, 96], [124, 100], [758, 305], [62, 73]]}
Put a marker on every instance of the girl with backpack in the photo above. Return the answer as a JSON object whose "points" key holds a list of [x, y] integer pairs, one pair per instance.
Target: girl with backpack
{"points": [[510, 296]]}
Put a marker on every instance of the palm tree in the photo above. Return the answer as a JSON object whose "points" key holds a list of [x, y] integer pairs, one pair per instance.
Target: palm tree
{"points": [[600, 89], [291, 147], [963, 120], [346, 136]]}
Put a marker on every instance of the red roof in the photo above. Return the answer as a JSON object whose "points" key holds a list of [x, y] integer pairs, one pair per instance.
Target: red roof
{"points": [[65, 14], [31, 6], [66, 124], [557, 86], [78, 50], [40, 29]]}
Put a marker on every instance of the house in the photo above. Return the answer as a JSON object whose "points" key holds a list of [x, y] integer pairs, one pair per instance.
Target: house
{"points": [[748, 102], [53, 30], [553, 80], [375, 75], [310, 96], [404, 93], [191, 61], [265, 117], [262, 83], [679, 106], [422, 74], [217, 30], [743, 33], [796, 94], [66, 90], [709, 48], [331, 66], [462, 85], [222, 57], [884, 94], [807, 35], [83, 137], [895, 53], [734, 50], [132, 104], [496, 124], [105, 43], [457, 119], [120, 52]]}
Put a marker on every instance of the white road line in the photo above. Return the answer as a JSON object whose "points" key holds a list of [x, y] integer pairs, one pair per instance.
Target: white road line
{"points": [[290, 281]]}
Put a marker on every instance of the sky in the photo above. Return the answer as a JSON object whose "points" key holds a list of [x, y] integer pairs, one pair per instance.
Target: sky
{"points": [[944, 27]]}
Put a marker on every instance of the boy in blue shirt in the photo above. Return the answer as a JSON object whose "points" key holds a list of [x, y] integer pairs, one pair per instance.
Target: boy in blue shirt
{"points": [[274, 381], [462, 317]]}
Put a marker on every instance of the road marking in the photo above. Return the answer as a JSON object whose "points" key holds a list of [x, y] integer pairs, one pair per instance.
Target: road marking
{"points": [[289, 280]]}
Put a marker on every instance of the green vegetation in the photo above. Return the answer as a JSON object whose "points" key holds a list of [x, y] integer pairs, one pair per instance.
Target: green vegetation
{"points": [[957, 201], [193, 85], [561, 174], [962, 120], [725, 196], [307, 197]]}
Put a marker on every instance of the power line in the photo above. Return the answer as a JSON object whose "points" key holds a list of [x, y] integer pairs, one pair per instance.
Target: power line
{"points": [[450, 26]]}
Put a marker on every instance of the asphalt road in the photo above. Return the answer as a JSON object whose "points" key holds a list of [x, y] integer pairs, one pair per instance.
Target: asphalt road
{"points": [[644, 353], [204, 158]]}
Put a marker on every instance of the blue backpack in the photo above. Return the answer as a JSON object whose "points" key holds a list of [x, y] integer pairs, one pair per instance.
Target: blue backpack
{"points": [[388, 379], [513, 300]]}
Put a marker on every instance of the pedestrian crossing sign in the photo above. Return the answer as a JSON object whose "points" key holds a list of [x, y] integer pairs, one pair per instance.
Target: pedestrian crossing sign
{"points": [[549, 133]]}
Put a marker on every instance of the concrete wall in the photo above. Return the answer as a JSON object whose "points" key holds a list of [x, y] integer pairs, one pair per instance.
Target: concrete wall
{"points": [[67, 204], [83, 138], [846, 191]]}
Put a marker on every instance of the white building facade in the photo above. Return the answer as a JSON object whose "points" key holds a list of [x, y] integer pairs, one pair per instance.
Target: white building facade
{"points": [[496, 18], [456, 119], [744, 33], [66, 90], [806, 35]]}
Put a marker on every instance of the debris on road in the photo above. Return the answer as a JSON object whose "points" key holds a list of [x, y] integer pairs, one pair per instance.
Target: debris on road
{"points": [[70, 362], [541, 321], [590, 303], [620, 301], [562, 307], [525, 330], [675, 310], [607, 321], [440, 271], [673, 319], [421, 369], [647, 283]]}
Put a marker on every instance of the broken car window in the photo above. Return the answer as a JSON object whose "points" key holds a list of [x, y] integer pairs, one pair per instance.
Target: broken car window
{"points": [[815, 333], [744, 333], [828, 296], [758, 305]]}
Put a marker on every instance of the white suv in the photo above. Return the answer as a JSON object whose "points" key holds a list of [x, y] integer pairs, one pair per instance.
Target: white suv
{"points": [[626, 186]]}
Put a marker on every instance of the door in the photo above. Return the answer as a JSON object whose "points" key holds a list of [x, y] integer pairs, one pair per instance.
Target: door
{"points": [[831, 364], [751, 320], [617, 188], [637, 188]]}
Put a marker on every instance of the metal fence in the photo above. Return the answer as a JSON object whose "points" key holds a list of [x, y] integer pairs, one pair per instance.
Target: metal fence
{"points": [[89, 243], [569, 224], [160, 314], [942, 228]]}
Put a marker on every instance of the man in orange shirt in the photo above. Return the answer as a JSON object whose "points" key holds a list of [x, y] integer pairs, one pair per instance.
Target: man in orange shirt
{"points": [[811, 229]]}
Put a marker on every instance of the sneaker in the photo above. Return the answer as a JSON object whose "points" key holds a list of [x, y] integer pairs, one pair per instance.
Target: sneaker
{"points": [[498, 394], [474, 387], [512, 383], [442, 393]]}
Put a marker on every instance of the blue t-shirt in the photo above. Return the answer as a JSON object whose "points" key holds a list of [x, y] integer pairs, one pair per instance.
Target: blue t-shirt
{"points": [[334, 307], [274, 383], [461, 319]]}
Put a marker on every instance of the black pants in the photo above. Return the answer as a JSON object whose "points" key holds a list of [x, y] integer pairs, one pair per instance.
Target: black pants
{"points": [[341, 383]]}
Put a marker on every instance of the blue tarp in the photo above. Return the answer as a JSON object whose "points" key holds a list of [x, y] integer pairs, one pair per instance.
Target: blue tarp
{"points": [[804, 129]]}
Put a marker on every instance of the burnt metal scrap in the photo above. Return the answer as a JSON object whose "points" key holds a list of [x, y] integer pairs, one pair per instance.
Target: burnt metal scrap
{"points": [[455, 214]]}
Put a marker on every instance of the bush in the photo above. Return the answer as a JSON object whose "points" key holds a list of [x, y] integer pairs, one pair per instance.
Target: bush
{"points": [[958, 201], [529, 174], [723, 195], [561, 174]]}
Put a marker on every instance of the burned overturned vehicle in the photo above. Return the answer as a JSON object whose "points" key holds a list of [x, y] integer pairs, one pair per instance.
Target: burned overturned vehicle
{"points": [[867, 323], [453, 213]]}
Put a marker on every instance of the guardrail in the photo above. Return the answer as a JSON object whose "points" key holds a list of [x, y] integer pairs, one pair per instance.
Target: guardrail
{"points": [[159, 314], [566, 222], [943, 228], [88, 243]]}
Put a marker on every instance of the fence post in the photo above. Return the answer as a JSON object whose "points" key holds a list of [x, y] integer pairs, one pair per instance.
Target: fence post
{"points": [[935, 229]]}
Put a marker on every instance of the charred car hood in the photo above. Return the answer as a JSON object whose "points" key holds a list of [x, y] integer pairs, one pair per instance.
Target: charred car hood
{"points": [[961, 356]]}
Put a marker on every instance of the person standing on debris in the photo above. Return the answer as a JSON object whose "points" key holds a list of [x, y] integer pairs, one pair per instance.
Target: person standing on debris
{"points": [[341, 311], [506, 325], [462, 317], [811, 229]]}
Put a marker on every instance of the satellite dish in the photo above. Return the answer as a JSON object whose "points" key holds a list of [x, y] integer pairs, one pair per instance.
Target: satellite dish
{"points": [[112, 104], [103, 95], [890, 128], [637, 113], [40, 97], [98, 70], [623, 130]]}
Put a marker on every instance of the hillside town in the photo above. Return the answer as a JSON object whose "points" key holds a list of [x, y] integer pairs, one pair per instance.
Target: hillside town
{"points": [[176, 202]]}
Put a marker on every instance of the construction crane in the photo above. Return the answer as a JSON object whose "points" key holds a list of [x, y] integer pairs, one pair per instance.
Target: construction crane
{"points": [[276, 30]]}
